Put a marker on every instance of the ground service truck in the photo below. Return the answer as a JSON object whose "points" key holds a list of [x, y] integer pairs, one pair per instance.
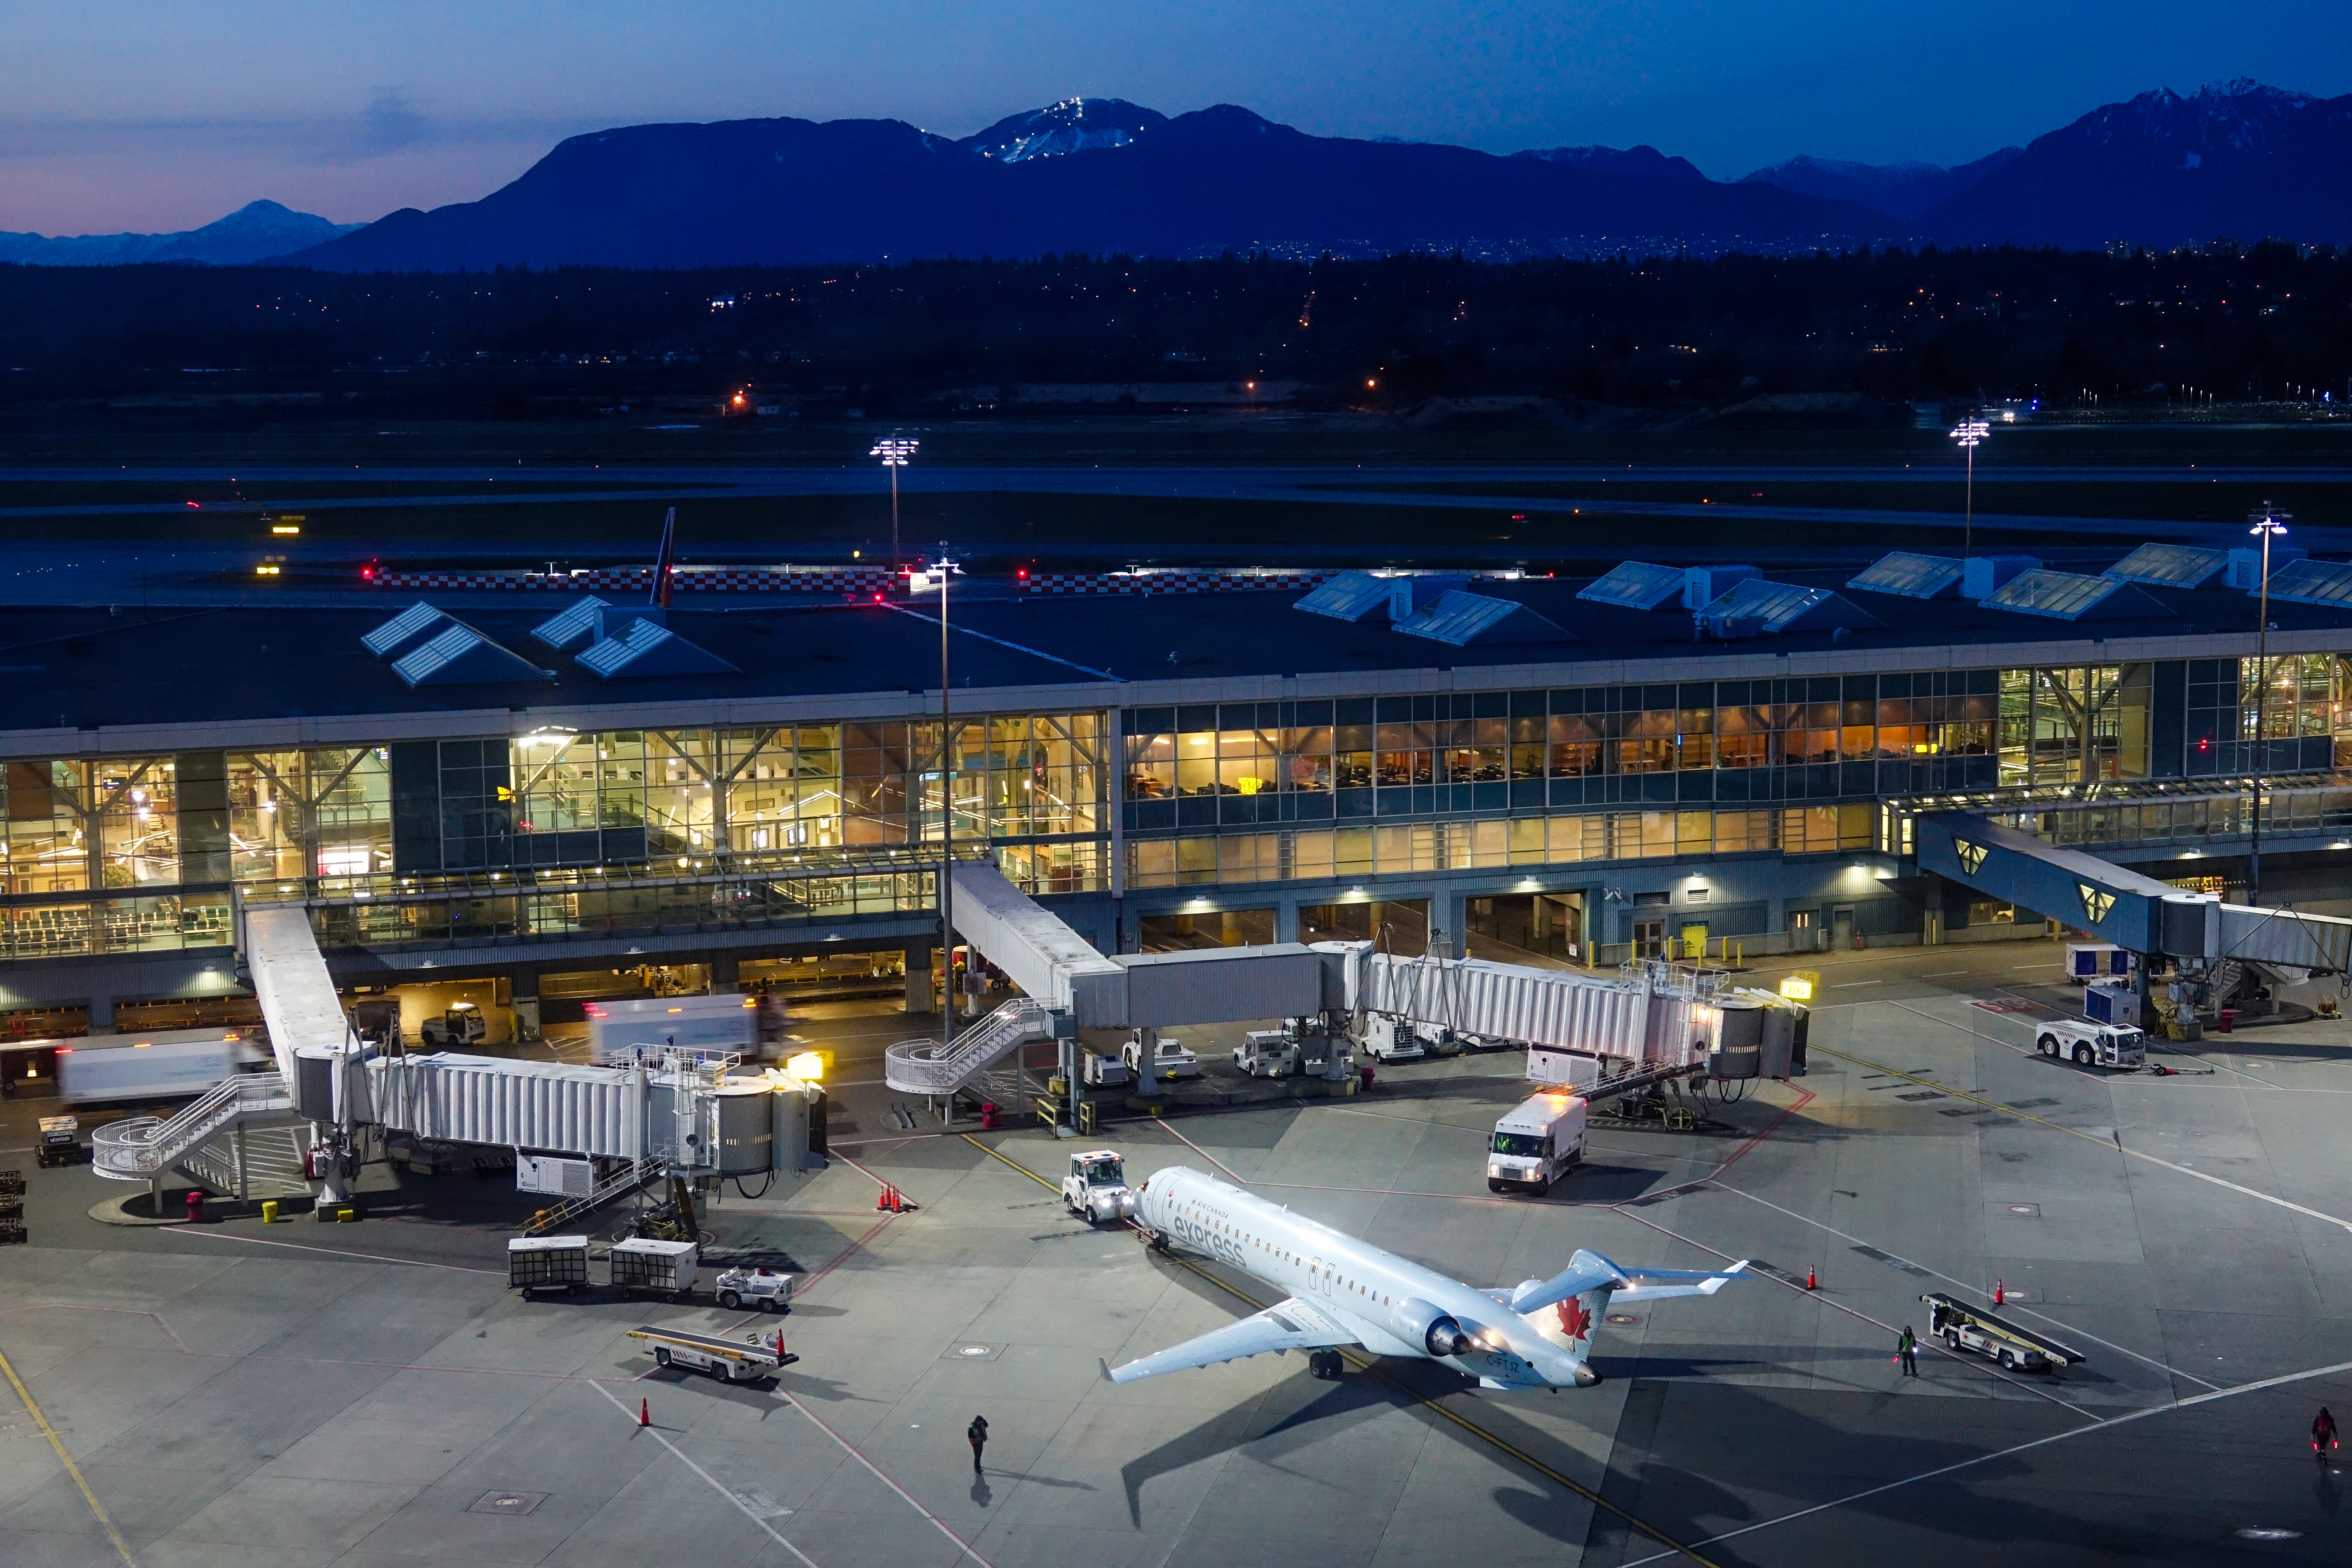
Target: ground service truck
{"points": [[2087, 1043], [1537, 1145]]}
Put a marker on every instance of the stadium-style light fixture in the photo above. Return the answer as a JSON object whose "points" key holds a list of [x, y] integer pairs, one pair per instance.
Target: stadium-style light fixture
{"points": [[1970, 434], [895, 452], [2268, 522]]}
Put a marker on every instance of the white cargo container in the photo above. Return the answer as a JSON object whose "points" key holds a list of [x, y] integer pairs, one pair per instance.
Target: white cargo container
{"points": [[643, 1263], [547, 1263], [166, 1063], [1535, 1144], [621, 1034], [1565, 1069]]}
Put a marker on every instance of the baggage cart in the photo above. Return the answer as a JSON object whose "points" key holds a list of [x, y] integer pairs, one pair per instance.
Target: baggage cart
{"points": [[665, 1267], [547, 1263]]}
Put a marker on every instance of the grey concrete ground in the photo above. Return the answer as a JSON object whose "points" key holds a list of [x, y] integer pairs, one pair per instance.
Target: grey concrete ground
{"points": [[372, 1394]]}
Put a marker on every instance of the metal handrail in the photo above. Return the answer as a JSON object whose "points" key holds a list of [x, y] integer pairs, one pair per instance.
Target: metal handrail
{"points": [[929, 1066], [141, 1146]]}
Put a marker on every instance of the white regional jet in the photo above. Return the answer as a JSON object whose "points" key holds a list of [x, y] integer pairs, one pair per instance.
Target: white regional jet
{"points": [[1346, 1291]]}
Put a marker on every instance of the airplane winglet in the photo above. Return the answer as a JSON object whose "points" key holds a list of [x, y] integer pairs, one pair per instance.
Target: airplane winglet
{"points": [[1103, 1363]]}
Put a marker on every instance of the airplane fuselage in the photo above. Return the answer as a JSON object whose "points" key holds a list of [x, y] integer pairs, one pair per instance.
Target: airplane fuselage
{"points": [[1400, 1308]]}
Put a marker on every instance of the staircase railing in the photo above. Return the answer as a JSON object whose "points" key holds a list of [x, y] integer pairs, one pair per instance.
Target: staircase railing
{"points": [[620, 1184], [141, 1146], [928, 1066]]}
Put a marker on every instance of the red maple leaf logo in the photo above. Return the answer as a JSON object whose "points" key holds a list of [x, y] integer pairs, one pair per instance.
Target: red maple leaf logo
{"points": [[1574, 1321]]}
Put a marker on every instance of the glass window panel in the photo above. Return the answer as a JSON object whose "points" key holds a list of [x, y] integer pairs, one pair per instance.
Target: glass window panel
{"points": [[45, 850]]}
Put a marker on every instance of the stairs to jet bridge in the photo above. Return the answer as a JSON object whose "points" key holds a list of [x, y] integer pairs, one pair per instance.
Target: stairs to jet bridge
{"points": [[241, 1139], [942, 1068]]}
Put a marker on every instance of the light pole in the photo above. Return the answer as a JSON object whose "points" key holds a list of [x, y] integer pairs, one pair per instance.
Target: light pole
{"points": [[2268, 520], [937, 575], [894, 451], [1970, 434]]}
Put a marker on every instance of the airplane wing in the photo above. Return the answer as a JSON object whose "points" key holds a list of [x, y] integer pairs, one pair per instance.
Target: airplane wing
{"points": [[1291, 1325], [1705, 1282]]}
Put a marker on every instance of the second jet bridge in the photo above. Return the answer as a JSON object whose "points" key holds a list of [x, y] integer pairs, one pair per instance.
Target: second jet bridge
{"points": [[2135, 913]]}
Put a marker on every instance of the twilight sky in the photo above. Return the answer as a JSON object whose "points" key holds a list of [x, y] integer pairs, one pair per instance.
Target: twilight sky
{"points": [[165, 114]]}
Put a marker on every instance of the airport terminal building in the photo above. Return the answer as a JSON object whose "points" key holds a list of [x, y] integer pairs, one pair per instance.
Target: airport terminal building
{"points": [[552, 795]]}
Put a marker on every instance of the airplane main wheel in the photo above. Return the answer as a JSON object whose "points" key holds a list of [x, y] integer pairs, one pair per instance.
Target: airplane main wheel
{"points": [[1324, 1364]]}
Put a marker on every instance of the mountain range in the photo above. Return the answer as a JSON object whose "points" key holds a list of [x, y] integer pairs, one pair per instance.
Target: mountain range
{"points": [[1102, 176], [252, 232]]}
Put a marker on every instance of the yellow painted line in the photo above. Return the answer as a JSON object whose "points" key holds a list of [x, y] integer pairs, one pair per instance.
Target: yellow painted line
{"points": [[1364, 1363], [65, 1459]]}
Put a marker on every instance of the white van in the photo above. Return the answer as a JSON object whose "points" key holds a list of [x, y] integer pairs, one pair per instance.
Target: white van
{"points": [[1535, 1144]]}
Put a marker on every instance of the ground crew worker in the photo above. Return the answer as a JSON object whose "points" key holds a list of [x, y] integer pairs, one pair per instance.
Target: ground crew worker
{"points": [[977, 1435], [1907, 1348], [2323, 1433]]}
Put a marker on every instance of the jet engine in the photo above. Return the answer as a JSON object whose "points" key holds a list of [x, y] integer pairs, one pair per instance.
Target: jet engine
{"points": [[1420, 1322]]}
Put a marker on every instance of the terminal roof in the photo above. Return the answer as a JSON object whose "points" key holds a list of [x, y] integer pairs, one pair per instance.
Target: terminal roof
{"points": [[66, 668]]}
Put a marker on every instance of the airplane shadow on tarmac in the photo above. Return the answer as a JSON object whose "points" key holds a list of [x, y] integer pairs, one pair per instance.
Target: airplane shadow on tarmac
{"points": [[1230, 1429]]}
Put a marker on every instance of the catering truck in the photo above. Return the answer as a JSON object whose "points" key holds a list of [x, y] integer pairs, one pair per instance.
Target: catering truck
{"points": [[1537, 1145]]}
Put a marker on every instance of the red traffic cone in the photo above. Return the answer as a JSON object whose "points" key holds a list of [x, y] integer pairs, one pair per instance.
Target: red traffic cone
{"points": [[780, 1344], [882, 1201], [2000, 1292], [645, 1413], [1812, 1280]]}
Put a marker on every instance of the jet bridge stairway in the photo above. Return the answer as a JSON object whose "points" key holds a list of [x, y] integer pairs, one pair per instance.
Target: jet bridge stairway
{"points": [[943, 1068], [238, 1140]]}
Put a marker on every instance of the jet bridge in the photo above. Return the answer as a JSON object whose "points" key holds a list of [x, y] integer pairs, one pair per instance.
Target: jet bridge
{"points": [[2135, 913]]}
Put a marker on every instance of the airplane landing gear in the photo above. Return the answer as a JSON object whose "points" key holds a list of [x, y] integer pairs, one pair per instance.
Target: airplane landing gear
{"points": [[1324, 1364]]}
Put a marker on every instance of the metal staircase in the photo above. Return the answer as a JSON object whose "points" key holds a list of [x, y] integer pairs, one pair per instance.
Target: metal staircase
{"points": [[233, 1139], [931, 1067], [620, 1184]]}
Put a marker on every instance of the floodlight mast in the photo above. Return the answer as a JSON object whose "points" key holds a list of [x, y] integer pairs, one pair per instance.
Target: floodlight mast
{"points": [[894, 451], [2268, 520], [1971, 434], [938, 573]]}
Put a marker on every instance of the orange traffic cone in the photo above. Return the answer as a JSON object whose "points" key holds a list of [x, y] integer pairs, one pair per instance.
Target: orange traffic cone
{"points": [[882, 1200], [1812, 1282], [2000, 1292], [645, 1413]]}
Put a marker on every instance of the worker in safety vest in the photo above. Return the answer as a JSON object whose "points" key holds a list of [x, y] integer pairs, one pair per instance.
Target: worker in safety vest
{"points": [[1907, 1349], [2323, 1433]]}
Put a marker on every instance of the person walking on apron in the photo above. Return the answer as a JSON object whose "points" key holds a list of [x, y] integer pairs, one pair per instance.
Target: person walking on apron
{"points": [[977, 1436], [1908, 1349]]}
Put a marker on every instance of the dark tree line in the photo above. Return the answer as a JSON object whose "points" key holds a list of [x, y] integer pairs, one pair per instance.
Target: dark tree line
{"points": [[1893, 324]]}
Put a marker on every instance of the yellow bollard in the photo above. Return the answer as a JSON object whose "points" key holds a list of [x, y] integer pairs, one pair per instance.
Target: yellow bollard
{"points": [[269, 1211]]}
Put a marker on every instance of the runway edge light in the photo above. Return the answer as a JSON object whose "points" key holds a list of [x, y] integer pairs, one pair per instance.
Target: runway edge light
{"points": [[1801, 985]]}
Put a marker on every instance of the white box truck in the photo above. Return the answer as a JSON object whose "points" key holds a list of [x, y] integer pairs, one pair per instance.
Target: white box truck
{"points": [[1535, 1144], [168, 1064], [619, 1034]]}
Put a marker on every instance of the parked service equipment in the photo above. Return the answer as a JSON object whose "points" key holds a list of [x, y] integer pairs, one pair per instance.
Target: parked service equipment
{"points": [[762, 1288], [60, 1143], [1152, 1057], [1390, 1039], [646, 1263], [729, 1361], [1535, 1144], [1096, 1189], [2112, 1002], [1284, 1053], [462, 1025], [2003, 1340], [165, 1065], [547, 1263], [1102, 1072], [2087, 1043], [2088, 960], [1564, 1069]]}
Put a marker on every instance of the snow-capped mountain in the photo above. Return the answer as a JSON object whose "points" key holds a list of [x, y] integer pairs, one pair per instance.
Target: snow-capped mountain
{"points": [[254, 230], [1073, 125], [2237, 159]]}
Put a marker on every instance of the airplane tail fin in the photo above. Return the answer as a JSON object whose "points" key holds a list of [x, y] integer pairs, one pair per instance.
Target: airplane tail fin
{"points": [[666, 564]]}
